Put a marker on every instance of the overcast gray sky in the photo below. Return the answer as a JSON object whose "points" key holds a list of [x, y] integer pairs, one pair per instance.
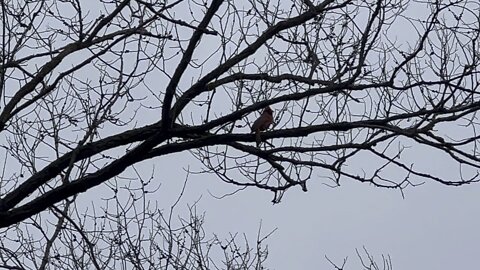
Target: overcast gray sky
{"points": [[431, 227], [434, 227]]}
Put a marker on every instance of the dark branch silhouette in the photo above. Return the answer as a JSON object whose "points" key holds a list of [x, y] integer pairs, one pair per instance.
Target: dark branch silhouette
{"points": [[89, 92]]}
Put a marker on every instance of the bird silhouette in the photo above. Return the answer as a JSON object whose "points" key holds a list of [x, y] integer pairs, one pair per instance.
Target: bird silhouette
{"points": [[262, 123]]}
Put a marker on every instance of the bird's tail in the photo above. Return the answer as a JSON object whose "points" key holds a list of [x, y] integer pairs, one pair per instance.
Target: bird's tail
{"points": [[258, 139]]}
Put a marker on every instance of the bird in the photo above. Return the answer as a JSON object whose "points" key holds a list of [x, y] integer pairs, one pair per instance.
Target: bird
{"points": [[262, 123]]}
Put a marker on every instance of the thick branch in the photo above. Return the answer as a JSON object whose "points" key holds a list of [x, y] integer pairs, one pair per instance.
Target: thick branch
{"points": [[182, 66]]}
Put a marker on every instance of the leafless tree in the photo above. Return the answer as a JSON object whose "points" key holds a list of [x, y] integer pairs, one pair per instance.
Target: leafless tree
{"points": [[367, 262], [90, 91], [126, 234]]}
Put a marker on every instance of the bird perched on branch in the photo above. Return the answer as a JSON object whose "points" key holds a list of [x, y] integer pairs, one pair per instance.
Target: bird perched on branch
{"points": [[262, 123]]}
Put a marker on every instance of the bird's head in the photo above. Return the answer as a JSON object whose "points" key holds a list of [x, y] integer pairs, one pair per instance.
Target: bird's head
{"points": [[268, 110]]}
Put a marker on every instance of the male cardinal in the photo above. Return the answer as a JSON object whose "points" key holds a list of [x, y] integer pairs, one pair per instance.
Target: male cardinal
{"points": [[262, 123]]}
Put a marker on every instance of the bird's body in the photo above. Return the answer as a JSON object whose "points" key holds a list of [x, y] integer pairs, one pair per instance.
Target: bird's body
{"points": [[262, 123]]}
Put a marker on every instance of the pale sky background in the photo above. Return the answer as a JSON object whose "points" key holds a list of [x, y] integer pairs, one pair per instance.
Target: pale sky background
{"points": [[433, 227]]}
